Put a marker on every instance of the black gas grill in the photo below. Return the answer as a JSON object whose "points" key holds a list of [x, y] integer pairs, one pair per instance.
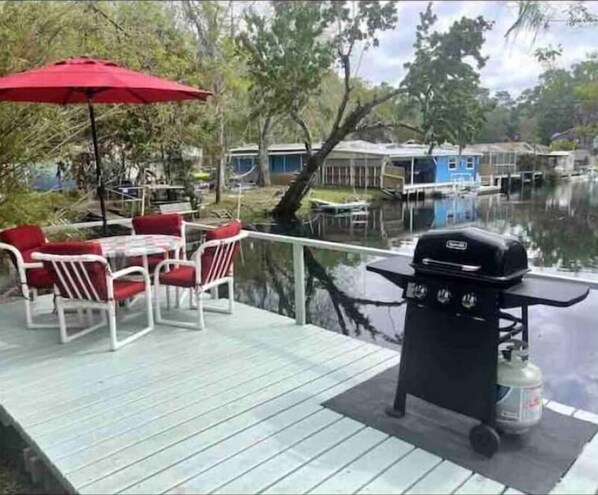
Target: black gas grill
{"points": [[457, 287]]}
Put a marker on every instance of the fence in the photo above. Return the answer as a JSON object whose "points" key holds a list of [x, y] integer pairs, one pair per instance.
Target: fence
{"points": [[300, 243]]}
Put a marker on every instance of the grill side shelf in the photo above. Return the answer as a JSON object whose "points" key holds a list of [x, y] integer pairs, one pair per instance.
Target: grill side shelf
{"points": [[550, 293]]}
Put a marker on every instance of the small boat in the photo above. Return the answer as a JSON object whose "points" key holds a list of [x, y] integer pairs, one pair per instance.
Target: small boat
{"points": [[330, 207]]}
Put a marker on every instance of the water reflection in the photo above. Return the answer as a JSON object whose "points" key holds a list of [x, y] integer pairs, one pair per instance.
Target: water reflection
{"points": [[557, 224]]}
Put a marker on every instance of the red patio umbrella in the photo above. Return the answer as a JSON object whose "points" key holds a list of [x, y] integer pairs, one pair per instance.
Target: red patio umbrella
{"points": [[87, 80]]}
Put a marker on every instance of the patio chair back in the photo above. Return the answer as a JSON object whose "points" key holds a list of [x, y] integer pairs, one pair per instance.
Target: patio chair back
{"points": [[78, 268], [25, 238], [219, 251], [169, 224]]}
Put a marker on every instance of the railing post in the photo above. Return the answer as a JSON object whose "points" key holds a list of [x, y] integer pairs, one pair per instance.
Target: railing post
{"points": [[299, 275]]}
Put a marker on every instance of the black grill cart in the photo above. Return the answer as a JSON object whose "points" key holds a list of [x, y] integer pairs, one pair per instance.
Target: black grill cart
{"points": [[457, 288]]}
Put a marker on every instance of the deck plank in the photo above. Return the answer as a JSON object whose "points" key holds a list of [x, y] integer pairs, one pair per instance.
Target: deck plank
{"points": [[322, 467], [173, 449], [363, 470], [273, 385], [268, 473], [183, 397], [444, 478], [481, 485], [404, 473]]}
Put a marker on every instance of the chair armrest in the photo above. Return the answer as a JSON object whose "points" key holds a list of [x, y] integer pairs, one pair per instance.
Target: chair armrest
{"points": [[22, 267], [14, 251], [130, 270], [173, 261]]}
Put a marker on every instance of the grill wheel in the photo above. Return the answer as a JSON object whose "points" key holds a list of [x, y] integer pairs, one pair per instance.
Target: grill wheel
{"points": [[484, 440]]}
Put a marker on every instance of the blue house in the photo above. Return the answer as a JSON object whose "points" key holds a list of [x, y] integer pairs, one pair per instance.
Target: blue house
{"points": [[445, 164]]}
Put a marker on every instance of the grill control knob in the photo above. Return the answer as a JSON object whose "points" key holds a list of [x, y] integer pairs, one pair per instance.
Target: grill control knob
{"points": [[420, 291], [469, 300], [443, 296]]}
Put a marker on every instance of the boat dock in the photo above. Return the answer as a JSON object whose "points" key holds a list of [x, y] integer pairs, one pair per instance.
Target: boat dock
{"points": [[234, 409]]}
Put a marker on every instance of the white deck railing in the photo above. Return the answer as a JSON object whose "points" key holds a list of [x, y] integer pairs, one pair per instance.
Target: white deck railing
{"points": [[300, 243]]}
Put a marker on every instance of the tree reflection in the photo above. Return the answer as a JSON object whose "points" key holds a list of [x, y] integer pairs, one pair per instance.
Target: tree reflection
{"points": [[266, 280]]}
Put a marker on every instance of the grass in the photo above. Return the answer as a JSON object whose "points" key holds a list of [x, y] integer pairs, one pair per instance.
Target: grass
{"points": [[258, 202]]}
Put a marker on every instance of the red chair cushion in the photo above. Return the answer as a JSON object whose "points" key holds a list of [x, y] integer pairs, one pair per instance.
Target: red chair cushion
{"points": [[95, 271], [168, 224], [39, 278], [123, 289], [224, 231], [23, 237], [183, 276]]}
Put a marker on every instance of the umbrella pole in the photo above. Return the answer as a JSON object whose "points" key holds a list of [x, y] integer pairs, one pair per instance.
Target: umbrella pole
{"points": [[99, 175]]}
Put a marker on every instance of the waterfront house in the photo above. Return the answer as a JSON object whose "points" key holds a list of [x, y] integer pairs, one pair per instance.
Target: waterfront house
{"points": [[362, 164]]}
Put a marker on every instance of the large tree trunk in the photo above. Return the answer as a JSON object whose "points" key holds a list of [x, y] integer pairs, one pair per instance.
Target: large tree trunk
{"points": [[263, 171], [291, 201]]}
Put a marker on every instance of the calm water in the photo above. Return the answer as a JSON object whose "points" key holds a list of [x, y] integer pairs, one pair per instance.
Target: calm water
{"points": [[558, 224]]}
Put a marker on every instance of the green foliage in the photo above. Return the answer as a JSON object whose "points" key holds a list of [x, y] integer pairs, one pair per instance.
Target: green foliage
{"points": [[443, 83], [22, 207], [563, 145], [564, 99], [536, 16]]}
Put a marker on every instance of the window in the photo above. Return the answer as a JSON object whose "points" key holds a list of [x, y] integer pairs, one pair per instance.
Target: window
{"points": [[452, 163], [469, 162]]}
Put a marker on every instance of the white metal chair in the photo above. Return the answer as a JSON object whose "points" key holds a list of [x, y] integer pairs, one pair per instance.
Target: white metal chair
{"points": [[210, 266], [20, 242], [83, 279]]}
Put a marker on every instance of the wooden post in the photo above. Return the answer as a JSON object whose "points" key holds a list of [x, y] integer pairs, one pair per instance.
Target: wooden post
{"points": [[299, 275]]}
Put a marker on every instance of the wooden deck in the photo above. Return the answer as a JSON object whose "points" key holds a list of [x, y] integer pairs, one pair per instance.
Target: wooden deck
{"points": [[234, 409]]}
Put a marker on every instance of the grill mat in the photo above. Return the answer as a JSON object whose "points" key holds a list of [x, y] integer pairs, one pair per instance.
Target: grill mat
{"points": [[533, 463]]}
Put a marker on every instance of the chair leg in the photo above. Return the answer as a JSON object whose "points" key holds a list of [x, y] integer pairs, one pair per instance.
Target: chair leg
{"points": [[199, 302], [29, 310], [61, 321], [177, 300], [167, 296], [112, 325], [231, 296], [190, 298], [150, 310]]}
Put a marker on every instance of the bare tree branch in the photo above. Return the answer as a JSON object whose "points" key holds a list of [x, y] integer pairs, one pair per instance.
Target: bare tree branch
{"points": [[301, 123]]}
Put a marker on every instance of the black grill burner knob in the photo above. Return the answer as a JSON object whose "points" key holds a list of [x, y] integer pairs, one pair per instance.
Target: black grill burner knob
{"points": [[443, 296], [469, 300], [420, 291]]}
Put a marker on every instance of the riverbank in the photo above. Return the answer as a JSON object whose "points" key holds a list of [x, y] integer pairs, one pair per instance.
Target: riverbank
{"points": [[256, 203]]}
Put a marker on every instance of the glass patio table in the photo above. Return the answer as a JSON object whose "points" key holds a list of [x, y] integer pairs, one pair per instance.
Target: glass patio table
{"points": [[129, 246]]}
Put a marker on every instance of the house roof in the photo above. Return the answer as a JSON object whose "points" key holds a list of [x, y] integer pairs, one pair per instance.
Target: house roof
{"points": [[407, 150], [507, 147]]}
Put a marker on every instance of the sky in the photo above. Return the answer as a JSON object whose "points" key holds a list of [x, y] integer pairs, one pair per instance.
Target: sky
{"points": [[511, 65]]}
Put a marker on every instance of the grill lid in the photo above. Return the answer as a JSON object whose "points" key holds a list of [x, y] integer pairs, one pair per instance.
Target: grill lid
{"points": [[471, 253]]}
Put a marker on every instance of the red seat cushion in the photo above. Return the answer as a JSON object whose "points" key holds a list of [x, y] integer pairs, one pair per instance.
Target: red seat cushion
{"points": [[168, 224], [123, 289], [183, 276], [39, 278]]}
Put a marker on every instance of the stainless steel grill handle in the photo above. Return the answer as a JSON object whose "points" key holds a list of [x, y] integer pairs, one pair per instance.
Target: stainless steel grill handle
{"points": [[452, 266]]}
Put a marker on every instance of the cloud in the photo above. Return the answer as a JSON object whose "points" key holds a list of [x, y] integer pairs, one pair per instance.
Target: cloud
{"points": [[511, 63]]}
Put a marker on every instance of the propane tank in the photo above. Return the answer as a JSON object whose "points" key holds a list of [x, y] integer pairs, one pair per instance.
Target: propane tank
{"points": [[519, 390]]}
